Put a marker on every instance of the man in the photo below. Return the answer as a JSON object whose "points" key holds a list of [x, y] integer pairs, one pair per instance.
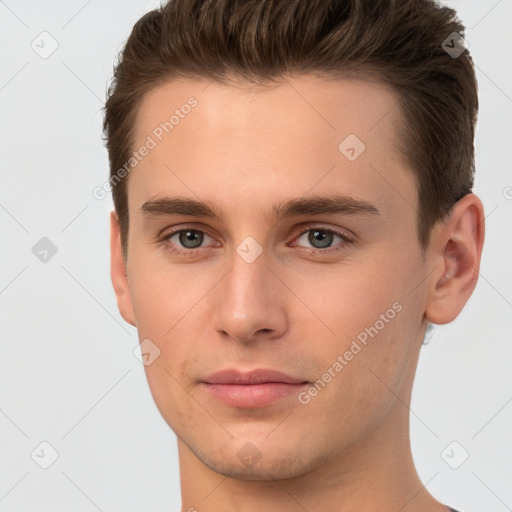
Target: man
{"points": [[293, 207]]}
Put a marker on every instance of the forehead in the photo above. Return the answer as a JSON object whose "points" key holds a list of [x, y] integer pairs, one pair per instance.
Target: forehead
{"points": [[320, 104], [241, 143]]}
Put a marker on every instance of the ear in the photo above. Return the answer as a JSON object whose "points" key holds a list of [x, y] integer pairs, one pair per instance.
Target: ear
{"points": [[118, 271], [457, 251]]}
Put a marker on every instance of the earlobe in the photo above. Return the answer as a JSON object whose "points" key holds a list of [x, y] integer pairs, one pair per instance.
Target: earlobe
{"points": [[458, 251], [118, 272]]}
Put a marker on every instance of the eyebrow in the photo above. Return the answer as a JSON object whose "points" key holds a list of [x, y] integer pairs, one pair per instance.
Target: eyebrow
{"points": [[316, 205]]}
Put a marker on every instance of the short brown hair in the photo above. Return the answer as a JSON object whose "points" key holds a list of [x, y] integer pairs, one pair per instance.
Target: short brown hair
{"points": [[400, 42]]}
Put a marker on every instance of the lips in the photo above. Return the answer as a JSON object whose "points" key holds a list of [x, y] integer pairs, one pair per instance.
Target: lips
{"points": [[256, 388], [252, 377]]}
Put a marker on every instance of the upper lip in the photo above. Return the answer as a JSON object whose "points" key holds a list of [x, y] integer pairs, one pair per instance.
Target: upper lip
{"points": [[258, 376]]}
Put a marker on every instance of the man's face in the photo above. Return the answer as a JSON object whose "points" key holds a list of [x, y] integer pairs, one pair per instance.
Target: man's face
{"points": [[253, 291]]}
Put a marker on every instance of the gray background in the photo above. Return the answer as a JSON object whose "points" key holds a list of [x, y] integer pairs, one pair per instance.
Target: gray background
{"points": [[68, 375]]}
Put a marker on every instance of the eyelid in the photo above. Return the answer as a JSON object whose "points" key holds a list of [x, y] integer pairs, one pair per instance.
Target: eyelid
{"points": [[345, 233]]}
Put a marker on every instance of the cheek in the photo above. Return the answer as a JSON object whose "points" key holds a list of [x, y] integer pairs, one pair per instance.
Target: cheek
{"points": [[347, 299], [171, 398], [370, 322], [365, 388], [159, 294]]}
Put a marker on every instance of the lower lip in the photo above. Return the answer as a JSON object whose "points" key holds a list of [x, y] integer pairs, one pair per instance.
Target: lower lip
{"points": [[252, 395]]}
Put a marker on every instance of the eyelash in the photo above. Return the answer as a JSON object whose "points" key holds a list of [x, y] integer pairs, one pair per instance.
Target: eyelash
{"points": [[345, 240]]}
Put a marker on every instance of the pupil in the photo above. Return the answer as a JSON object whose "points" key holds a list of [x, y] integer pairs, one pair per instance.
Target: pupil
{"points": [[324, 239], [190, 235]]}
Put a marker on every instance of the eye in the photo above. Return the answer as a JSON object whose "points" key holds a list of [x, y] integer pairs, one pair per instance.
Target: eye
{"points": [[185, 241], [189, 241], [322, 238]]}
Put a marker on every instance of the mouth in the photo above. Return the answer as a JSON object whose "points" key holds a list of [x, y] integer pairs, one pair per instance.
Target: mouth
{"points": [[256, 388]]}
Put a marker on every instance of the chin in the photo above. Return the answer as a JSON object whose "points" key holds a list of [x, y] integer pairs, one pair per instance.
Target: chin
{"points": [[272, 470], [248, 463]]}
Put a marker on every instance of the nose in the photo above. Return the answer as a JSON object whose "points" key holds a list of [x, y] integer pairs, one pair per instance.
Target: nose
{"points": [[250, 302]]}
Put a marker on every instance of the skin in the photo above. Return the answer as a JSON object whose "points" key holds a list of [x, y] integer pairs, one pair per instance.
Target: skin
{"points": [[245, 150]]}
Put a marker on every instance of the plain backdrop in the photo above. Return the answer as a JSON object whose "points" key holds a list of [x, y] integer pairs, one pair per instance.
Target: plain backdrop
{"points": [[68, 375]]}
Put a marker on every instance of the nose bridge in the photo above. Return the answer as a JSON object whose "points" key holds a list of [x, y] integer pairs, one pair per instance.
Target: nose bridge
{"points": [[249, 261], [246, 283], [246, 301]]}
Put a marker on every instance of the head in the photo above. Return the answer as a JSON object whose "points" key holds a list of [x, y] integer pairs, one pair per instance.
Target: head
{"points": [[347, 118]]}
